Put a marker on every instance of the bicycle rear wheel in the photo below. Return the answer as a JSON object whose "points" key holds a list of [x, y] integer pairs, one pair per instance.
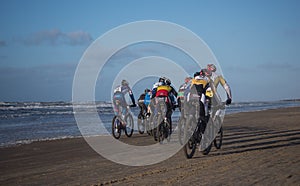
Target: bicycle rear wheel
{"points": [[159, 129], [141, 124], [189, 138], [129, 125], [116, 127], [207, 150], [219, 138], [167, 130]]}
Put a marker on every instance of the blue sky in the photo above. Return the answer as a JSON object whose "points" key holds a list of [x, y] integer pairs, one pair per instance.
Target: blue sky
{"points": [[256, 42]]}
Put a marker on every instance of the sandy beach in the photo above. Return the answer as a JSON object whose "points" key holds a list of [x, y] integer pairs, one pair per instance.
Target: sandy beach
{"points": [[258, 148]]}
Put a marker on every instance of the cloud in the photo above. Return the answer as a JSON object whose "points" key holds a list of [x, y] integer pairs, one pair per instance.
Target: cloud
{"points": [[2, 43], [57, 37]]}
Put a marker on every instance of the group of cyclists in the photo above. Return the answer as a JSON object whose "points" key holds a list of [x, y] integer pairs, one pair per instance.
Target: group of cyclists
{"points": [[202, 87]]}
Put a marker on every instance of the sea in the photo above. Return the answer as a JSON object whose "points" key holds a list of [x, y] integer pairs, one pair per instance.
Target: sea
{"points": [[27, 122]]}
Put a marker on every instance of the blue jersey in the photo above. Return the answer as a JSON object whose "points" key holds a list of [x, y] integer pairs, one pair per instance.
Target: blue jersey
{"points": [[147, 99]]}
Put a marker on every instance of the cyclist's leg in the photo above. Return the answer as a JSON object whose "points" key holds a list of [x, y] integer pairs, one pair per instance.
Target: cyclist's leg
{"points": [[202, 116], [179, 104], [115, 107], [142, 107]]}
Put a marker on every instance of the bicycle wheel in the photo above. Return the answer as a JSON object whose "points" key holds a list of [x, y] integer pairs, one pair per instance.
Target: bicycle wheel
{"points": [[207, 150], [154, 127], [167, 130], [219, 138], [161, 135], [141, 124], [158, 129], [148, 128], [116, 127], [189, 138], [129, 125], [180, 130]]}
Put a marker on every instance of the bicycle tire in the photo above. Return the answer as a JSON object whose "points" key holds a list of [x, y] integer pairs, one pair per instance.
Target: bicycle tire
{"points": [[159, 129], [141, 124], [190, 141], [168, 130], [129, 125], [116, 128], [207, 150], [219, 138]]}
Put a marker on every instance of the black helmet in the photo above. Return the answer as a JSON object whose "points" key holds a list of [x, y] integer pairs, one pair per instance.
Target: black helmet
{"points": [[196, 74], [162, 79], [147, 90], [202, 72], [168, 81]]}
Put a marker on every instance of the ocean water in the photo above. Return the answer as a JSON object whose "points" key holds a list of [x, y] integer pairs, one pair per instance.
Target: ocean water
{"points": [[25, 122]]}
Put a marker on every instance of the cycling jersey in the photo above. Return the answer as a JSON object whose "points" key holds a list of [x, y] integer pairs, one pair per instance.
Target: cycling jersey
{"points": [[181, 90], [119, 98], [199, 86], [147, 99], [163, 91], [218, 79]]}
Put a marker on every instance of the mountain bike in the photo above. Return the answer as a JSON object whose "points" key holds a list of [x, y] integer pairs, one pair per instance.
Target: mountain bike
{"points": [[162, 129], [194, 129], [121, 122]]}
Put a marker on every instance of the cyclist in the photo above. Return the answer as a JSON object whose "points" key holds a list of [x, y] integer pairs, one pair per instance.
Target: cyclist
{"points": [[196, 93], [215, 80], [180, 96], [160, 82], [119, 98], [164, 89], [144, 101]]}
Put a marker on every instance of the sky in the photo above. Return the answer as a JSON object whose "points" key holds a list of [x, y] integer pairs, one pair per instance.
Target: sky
{"points": [[257, 43]]}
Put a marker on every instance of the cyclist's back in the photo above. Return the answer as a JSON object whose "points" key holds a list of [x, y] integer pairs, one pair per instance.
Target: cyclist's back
{"points": [[119, 97], [165, 90], [144, 101]]}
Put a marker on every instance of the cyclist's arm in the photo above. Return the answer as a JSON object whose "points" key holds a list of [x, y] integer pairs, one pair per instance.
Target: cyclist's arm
{"points": [[174, 91], [131, 96], [226, 86]]}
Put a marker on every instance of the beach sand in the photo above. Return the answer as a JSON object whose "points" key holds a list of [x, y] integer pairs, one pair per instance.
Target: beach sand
{"points": [[258, 148]]}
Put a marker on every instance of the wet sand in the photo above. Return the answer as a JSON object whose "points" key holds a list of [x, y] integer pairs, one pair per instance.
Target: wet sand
{"points": [[260, 148]]}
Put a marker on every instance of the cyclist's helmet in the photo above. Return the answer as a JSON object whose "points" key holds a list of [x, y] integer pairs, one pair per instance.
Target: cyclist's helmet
{"points": [[124, 82], [147, 90], [202, 72], [208, 73], [187, 79], [168, 81], [162, 79], [196, 74], [211, 67]]}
